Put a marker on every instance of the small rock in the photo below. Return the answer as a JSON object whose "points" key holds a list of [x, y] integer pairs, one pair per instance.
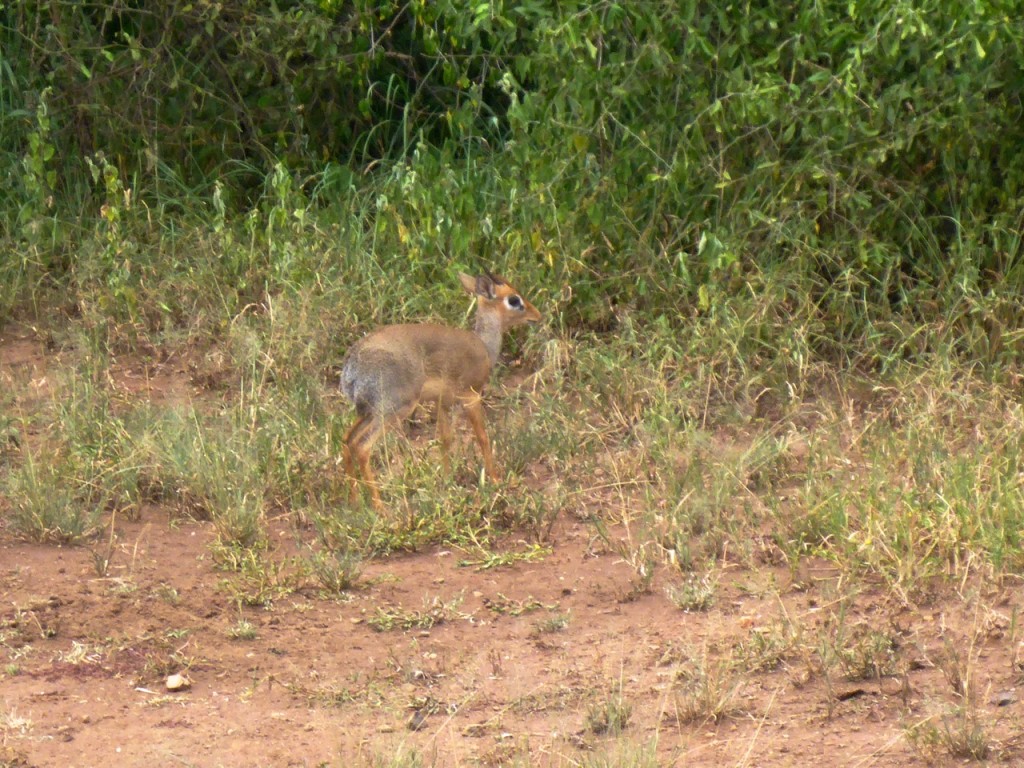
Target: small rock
{"points": [[1004, 699], [178, 682]]}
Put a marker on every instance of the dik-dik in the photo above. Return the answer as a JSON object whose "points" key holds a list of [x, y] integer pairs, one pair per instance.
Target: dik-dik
{"points": [[390, 371]]}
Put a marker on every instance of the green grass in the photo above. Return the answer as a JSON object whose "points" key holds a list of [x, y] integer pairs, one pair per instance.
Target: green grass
{"points": [[907, 477], [434, 612], [960, 734], [557, 622], [707, 690], [694, 593], [608, 717], [930, 478], [623, 754], [46, 504], [747, 429]]}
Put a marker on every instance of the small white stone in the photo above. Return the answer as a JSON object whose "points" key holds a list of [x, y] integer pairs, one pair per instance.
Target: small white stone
{"points": [[177, 682]]}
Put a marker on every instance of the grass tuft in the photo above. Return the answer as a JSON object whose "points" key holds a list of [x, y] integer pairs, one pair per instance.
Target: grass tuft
{"points": [[609, 717], [46, 504]]}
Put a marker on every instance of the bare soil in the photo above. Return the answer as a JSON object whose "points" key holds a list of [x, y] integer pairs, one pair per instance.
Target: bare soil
{"points": [[86, 657]]}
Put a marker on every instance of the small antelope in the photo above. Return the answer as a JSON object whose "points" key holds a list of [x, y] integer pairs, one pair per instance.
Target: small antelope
{"points": [[390, 371]]}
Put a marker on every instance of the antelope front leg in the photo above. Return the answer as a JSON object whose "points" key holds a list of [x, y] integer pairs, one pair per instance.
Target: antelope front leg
{"points": [[475, 413]]}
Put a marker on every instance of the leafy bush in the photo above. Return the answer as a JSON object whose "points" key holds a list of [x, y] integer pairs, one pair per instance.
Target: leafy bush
{"points": [[661, 157]]}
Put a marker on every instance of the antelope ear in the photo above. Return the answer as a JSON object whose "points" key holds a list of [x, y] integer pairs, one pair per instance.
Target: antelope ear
{"points": [[486, 285], [469, 283]]}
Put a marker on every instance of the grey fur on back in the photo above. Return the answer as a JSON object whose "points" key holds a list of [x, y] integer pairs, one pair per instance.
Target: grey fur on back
{"points": [[386, 371], [365, 381]]}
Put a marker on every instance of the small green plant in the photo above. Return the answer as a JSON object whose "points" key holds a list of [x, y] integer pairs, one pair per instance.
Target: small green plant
{"points": [[870, 656], [859, 652], [486, 560], [259, 580], [609, 717], [961, 734], [82, 653], [624, 754], [10, 435], [507, 606], [767, 646], [435, 612], [243, 629], [239, 522], [695, 593], [336, 571], [13, 723], [961, 731], [39, 176], [556, 622], [328, 695], [103, 556], [167, 593], [398, 757], [639, 555], [707, 691], [338, 560]]}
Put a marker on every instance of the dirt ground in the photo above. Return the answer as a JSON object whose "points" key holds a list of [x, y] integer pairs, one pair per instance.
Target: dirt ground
{"points": [[499, 681]]}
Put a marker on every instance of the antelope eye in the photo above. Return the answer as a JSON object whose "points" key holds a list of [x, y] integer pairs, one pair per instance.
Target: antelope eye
{"points": [[514, 302]]}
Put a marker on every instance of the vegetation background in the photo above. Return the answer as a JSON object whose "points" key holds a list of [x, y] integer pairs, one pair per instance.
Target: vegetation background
{"points": [[778, 246], [853, 167]]}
